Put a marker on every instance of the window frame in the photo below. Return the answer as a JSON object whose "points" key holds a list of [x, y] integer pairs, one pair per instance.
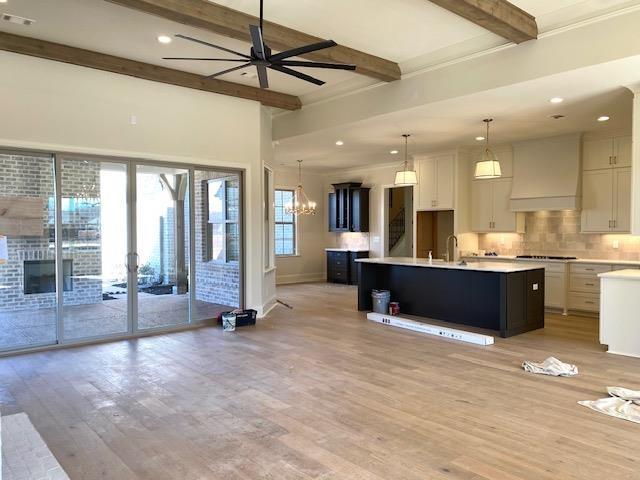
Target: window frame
{"points": [[225, 223], [293, 223]]}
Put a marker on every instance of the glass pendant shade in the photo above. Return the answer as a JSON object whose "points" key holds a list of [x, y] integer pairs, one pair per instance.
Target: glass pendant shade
{"points": [[488, 166], [300, 205]]}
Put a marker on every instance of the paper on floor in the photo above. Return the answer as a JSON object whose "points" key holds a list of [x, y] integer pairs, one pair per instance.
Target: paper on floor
{"points": [[625, 394], [551, 366]]}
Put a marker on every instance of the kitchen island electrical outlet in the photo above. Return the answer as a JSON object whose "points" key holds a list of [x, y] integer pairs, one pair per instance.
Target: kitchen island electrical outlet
{"points": [[616, 244], [535, 286]]}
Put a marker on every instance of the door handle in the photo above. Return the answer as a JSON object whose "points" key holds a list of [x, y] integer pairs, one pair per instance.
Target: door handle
{"points": [[128, 265], [137, 266]]}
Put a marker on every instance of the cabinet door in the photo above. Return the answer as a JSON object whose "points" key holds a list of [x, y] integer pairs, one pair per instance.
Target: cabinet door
{"points": [[481, 205], [426, 183], [622, 151], [333, 213], [622, 199], [554, 290], [359, 213], [504, 220], [597, 200], [597, 154], [444, 182]]}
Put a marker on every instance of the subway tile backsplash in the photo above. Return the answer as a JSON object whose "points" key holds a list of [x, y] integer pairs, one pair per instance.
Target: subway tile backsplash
{"points": [[558, 233]]}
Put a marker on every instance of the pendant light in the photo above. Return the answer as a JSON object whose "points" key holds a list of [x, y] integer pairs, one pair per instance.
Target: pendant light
{"points": [[406, 177], [488, 166], [300, 205]]}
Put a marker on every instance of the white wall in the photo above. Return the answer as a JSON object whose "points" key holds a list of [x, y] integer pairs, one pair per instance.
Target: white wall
{"points": [[308, 264], [59, 107]]}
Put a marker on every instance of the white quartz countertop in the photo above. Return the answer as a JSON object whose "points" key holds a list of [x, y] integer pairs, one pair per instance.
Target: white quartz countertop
{"points": [[512, 258], [629, 274], [499, 267], [346, 249]]}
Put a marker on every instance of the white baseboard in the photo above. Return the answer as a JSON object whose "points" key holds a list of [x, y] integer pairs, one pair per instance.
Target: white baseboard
{"points": [[300, 278], [267, 307], [437, 330]]}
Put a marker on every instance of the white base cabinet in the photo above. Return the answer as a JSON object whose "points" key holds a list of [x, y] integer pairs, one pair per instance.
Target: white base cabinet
{"points": [[619, 307]]}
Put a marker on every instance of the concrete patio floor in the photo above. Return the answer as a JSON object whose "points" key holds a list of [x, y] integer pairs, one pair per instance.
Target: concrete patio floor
{"points": [[109, 317]]}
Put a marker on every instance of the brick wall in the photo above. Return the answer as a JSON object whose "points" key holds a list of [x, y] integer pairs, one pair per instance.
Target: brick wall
{"points": [[217, 282], [33, 177]]}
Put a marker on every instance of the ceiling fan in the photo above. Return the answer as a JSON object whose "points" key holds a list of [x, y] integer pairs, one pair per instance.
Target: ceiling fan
{"points": [[260, 57]]}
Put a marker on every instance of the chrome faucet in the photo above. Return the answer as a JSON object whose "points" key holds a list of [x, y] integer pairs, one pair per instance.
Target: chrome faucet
{"points": [[451, 258]]}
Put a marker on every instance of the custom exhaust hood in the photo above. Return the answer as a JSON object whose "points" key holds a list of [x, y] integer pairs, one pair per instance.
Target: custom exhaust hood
{"points": [[546, 174]]}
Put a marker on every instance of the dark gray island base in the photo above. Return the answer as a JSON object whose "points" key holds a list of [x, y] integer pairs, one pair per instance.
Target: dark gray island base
{"points": [[508, 298]]}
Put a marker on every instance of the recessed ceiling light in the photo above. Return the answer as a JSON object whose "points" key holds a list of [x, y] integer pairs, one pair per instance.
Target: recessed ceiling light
{"points": [[603, 118], [339, 143], [479, 139], [393, 152], [17, 20], [164, 39], [556, 100]]}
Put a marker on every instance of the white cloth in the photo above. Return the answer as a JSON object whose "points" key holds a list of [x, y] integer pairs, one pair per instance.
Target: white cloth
{"points": [[623, 403], [551, 366]]}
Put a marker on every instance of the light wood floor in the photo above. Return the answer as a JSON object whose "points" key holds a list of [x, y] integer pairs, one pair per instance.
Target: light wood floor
{"points": [[321, 393]]}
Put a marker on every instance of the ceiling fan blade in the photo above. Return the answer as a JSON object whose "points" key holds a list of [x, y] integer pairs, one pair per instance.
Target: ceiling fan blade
{"points": [[202, 42], [257, 42], [301, 76], [295, 52], [206, 59], [301, 63], [228, 70], [262, 76]]}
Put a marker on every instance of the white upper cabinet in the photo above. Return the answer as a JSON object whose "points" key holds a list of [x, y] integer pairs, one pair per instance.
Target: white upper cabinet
{"points": [[606, 185], [622, 200], [597, 200], [606, 200], [622, 151], [490, 207], [606, 153], [435, 182]]}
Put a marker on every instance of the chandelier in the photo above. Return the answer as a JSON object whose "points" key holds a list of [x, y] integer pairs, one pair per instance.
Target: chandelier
{"points": [[300, 204], [488, 166]]}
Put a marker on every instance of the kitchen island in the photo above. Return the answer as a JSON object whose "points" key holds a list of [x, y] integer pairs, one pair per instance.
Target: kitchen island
{"points": [[505, 297]]}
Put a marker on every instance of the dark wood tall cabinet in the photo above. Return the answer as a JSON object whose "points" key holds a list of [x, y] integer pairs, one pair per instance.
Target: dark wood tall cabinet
{"points": [[349, 208]]}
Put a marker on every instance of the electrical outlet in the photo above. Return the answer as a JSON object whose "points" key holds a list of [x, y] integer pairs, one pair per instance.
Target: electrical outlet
{"points": [[616, 244], [502, 241], [133, 119], [536, 286]]}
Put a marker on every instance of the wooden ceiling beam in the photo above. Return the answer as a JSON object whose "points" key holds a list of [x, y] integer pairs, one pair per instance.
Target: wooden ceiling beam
{"points": [[498, 16], [232, 23], [109, 63]]}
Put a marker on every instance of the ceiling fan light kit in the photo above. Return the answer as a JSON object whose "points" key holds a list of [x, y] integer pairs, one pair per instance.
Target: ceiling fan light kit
{"points": [[261, 57]]}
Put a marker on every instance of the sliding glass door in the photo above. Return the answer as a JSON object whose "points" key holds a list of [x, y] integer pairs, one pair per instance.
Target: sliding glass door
{"points": [[94, 248], [28, 292], [162, 246]]}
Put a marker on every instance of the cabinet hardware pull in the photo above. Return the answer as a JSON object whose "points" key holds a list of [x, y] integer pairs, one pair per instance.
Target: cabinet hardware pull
{"points": [[589, 284], [615, 159], [610, 160], [587, 301], [589, 269]]}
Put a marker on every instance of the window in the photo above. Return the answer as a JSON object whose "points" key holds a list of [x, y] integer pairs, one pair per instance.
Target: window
{"points": [[223, 204], [285, 239]]}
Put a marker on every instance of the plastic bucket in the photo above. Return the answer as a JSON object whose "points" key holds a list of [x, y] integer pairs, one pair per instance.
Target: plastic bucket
{"points": [[229, 322], [381, 299]]}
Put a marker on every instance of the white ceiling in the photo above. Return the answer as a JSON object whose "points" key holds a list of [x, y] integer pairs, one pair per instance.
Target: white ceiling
{"points": [[411, 32], [520, 111]]}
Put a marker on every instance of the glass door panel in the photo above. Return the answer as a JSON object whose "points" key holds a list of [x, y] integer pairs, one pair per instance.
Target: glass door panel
{"points": [[217, 243], [28, 294], [94, 248], [161, 259]]}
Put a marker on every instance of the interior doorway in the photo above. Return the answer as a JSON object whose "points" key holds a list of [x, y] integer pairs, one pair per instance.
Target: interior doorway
{"points": [[398, 218], [432, 230]]}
